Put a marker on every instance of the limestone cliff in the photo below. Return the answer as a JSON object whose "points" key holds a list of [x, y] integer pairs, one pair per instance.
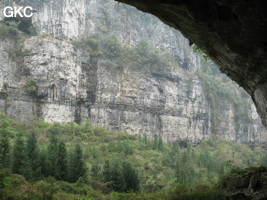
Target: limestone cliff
{"points": [[232, 33], [54, 79]]}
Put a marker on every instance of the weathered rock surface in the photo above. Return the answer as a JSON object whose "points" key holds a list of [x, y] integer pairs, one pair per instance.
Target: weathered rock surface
{"points": [[72, 86], [232, 33]]}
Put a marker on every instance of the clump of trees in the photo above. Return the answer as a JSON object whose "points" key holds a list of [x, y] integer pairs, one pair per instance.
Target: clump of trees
{"points": [[121, 176], [8, 31], [12, 27], [22, 24], [23, 154], [112, 47], [31, 86], [147, 55], [26, 158]]}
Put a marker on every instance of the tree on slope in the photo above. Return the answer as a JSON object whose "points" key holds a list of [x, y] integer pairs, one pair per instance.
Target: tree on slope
{"points": [[33, 154], [76, 164], [62, 171], [19, 158], [4, 152]]}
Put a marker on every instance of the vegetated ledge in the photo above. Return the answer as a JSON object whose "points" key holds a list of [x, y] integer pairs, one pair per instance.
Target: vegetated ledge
{"points": [[232, 33]]}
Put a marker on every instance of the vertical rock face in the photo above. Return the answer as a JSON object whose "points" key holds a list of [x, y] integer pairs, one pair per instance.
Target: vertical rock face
{"points": [[75, 85], [76, 19], [232, 33], [168, 103]]}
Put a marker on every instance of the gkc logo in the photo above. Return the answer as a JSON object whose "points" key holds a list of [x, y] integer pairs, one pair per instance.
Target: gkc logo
{"points": [[20, 11]]}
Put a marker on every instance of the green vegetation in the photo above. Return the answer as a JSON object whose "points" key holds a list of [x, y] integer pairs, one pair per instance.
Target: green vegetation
{"points": [[15, 27], [8, 32], [70, 161], [104, 29], [92, 44], [23, 24], [242, 179], [145, 54], [112, 47], [199, 51], [118, 56], [31, 86]]}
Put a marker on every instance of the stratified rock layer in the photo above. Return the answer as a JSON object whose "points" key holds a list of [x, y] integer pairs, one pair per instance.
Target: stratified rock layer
{"points": [[232, 33]]}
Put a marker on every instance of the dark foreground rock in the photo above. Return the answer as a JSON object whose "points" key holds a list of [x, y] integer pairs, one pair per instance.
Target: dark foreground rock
{"points": [[247, 184]]}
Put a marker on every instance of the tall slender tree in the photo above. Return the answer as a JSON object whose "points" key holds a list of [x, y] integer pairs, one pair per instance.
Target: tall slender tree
{"points": [[77, 167], [107, 172], [45, 171], [117, 178], [52, 156], [131, 178], [19, 158], [95, 170], [4, 152], [6, 130], [62, 171], [33, 154]]}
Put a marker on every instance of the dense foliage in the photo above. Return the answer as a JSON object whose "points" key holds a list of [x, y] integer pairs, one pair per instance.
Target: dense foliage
{"points": [[31, 87], [16, 28], [68, 161], [8, 31]]}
